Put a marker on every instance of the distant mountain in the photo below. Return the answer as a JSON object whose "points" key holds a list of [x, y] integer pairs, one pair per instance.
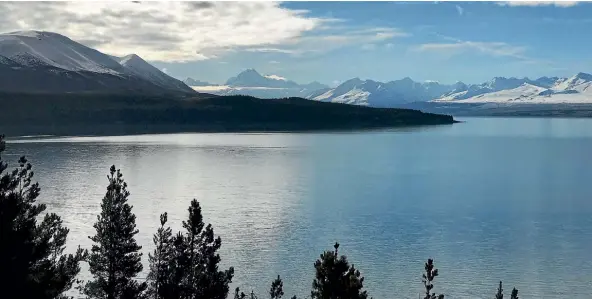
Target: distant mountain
{"points": [[252, 83], [379, 94], [39, 61], [251, 78], [574, 90], [193, 82], [500, 90]]}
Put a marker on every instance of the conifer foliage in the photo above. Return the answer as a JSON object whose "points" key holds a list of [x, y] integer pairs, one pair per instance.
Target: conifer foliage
{"points": [[188, 268], [115, 257], [514, 294], [277, 289], [500, 292], [160, 282], [336, 279], [428, 277], [32, 263]]}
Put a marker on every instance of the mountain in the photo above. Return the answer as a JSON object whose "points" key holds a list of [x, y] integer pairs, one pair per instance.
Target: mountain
{"points": [[574, 90], [500, 90], [252, 83], [143, 69], [39, 61], [251, 78], [379, 94], [193, 82]]}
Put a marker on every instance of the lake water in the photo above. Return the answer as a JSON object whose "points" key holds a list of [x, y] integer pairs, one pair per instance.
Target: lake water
{"points": [[490, 199]]}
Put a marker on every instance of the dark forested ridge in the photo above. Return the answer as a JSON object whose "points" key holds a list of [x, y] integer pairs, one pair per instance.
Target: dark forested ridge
{"points": [[94, 114]]}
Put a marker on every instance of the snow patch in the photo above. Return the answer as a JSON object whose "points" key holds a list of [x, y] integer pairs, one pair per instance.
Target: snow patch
{"points": [[276, 77]]}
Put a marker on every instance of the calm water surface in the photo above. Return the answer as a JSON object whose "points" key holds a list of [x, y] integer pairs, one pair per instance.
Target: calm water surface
{"points": [[490, 199]]}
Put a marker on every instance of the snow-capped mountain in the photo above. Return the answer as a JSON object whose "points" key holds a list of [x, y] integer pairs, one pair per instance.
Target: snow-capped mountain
{"points": [[250, 82], [500, 90], [39, 61], [379, 94], [251, 78], [143, 69], [193, 82], [574, 90]]}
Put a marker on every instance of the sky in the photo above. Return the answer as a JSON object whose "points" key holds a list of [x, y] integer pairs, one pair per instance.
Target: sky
{"points": [[328, 42]]}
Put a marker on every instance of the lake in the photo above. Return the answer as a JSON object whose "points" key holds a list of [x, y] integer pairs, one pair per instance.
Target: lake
{"points": [[490, 199]]}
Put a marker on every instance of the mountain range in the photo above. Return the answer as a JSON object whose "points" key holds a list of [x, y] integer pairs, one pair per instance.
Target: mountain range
{"points": [[39, 61], [403, 92], [250, 82]]}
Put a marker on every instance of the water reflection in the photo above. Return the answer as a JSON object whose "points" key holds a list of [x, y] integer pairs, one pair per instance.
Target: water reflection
{"points": [[490, 199]]}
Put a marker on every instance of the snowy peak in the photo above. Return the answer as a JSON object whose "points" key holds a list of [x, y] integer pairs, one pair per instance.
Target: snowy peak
{"points": [[70, 66], [252, 78], [275, 77], [145, 70], [544, 90], [56, 50], [193, 82]]}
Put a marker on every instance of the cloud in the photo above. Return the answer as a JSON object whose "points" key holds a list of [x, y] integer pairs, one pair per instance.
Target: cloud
{"points": [[163, 30], [539, 3], [274, 62], [460, 10], [329, 41], [495, 49], [164, 70], [389, 45], [458, 46]]}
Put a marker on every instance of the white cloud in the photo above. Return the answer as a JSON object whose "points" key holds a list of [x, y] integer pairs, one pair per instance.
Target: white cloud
{"points": [[323, 43], [163, 30], [491, 48], [274, 62], [389, 45], [539, 3], [164, 70], [460, 10]]}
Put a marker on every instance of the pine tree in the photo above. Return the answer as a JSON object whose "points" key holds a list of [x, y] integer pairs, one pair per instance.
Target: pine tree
{"points": [[238, 295], [514, 294], [500, 294], [277, 289], [32, 263], [428, 279], [115, 257], [197, 259], [159, 277], [336, 279]]}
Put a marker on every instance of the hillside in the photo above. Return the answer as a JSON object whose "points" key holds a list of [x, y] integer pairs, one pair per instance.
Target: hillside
{"points": [[95, 114], [39, 61]]}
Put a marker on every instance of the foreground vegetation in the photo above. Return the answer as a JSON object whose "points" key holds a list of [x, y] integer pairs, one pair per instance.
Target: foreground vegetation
{"points": [[183, 265]]}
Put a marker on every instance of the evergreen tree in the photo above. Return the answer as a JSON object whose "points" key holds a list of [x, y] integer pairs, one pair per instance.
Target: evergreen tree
{"points": [[196, 260], [32, 263], [115, 257], [277, 289], [428, 279], [336, 279], [500, 294], [514, 294], [159, 277], [238, 295]]}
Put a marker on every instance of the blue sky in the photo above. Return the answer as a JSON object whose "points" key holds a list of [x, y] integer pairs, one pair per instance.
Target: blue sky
{"points": [[329, 42], [445, 41]]}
